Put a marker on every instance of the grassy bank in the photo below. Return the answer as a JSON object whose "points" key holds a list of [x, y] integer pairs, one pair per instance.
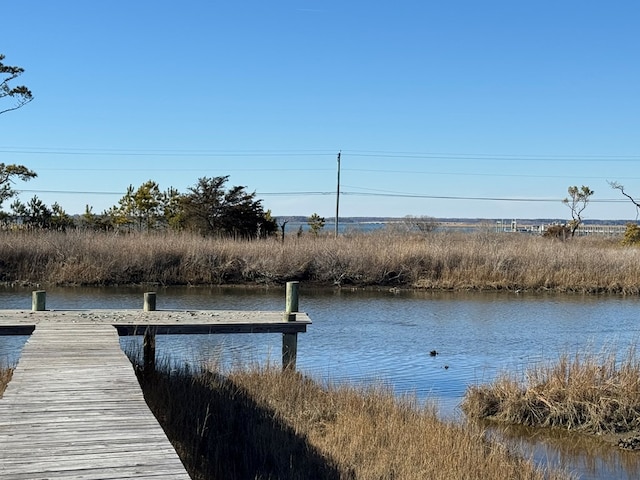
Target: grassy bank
{"points": [[263, 424], [482, 260], [590, 393]]}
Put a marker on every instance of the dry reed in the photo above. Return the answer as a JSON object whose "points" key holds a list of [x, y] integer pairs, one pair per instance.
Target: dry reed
{"points": [[482, 260], [262, 423], [590, 393], [5, 376]]}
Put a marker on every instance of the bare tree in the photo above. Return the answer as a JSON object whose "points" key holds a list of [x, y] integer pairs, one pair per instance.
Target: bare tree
{"points": [[282, 226], [423, 224], [20, 94], [577, 201], [617, 186]]}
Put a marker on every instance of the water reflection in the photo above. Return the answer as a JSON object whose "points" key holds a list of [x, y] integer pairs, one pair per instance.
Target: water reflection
{"points": [[387, 336], [590, 457]]}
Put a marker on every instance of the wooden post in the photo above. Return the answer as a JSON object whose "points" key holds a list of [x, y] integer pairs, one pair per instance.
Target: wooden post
{"points": [[149, 340], [38, 300], [292, 297], [290, 340], [149, 351], [149, 301]]}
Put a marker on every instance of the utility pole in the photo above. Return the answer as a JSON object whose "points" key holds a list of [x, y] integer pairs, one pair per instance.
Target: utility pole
{"points": [[338, 196]]}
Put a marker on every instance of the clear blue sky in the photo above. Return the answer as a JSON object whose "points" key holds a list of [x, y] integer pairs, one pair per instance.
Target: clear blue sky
{"points": [[468, 100]]}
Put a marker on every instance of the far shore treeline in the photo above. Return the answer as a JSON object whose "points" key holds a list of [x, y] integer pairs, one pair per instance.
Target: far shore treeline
{"points": [[208, 207]]}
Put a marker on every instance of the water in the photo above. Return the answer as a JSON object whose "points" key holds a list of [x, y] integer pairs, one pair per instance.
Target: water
{"points": [[386, 336]]}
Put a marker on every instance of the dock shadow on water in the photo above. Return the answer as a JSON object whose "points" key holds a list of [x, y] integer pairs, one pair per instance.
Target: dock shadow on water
{"points": [[219, 431]]}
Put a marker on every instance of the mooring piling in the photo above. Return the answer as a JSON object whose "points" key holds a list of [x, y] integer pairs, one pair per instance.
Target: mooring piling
{"points": [[290, 340], [38, 300], [149, 301], [149, 339]]}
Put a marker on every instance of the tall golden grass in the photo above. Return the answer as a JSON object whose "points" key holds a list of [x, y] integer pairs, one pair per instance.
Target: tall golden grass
{"points": [[262, 423], [482, 260], [585, 392], [5, 376]]}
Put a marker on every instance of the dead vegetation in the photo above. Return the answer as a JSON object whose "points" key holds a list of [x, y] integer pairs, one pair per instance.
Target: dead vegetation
{"points": [[5, 376], [262, 423], [585, 392], [445, 260]]}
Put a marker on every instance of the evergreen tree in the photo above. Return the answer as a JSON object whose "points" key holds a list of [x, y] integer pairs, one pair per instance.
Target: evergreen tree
{"points": [[21, 95], [212, 210]]}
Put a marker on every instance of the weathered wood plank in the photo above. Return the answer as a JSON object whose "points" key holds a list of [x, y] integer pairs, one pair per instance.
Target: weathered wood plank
{"points": [[74, 410], [142, 319]]}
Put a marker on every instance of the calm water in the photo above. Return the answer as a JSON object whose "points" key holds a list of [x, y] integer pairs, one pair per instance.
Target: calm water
{"points": [[385, 336]]}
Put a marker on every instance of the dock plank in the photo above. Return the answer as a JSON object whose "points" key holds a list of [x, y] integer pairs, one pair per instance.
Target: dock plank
{"points": [[74, 410]]}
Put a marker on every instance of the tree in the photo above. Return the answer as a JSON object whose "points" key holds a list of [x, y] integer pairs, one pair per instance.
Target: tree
{"points": [[270, 222], [96, 222], [89, 219], [212, 210], [35, 214], [19, 210], [60, 220], [172, 208], [141, 207], [7, 175], [20, 94], [121, 215], [283, 226], [316, 223], [636, 203], [577, 201], [147, 203], [631, 234]]}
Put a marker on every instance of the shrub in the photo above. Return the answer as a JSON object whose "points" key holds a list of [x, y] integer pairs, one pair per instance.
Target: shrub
{"points": [[631, 234]]}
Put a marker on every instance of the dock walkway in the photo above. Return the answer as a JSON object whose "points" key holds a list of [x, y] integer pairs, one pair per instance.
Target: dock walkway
{"points": [[74, 409]]}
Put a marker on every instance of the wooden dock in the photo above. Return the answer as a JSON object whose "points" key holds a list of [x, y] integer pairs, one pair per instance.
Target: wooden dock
{"points": [[74, 408]]}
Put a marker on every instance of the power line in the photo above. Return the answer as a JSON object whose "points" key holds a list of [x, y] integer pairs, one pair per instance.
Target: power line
{"points": [[492, 156], [162, 153], [356, 170], [515, 157], [361, 194]]}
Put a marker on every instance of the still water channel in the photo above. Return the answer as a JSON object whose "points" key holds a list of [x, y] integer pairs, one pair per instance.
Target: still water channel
{"points": [[386, 336]]}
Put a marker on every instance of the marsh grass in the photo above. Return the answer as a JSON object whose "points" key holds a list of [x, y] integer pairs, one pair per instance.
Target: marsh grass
{"points": [[482, 260], [5, 376], [584, 392], [262, 423]]}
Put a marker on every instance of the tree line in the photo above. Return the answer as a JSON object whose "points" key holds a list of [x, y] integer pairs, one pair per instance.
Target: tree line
{"points": [[208, 208]]}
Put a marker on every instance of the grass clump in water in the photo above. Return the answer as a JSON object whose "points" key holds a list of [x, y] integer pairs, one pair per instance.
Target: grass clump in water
{"points": [[262, 423], [589, 393]]}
